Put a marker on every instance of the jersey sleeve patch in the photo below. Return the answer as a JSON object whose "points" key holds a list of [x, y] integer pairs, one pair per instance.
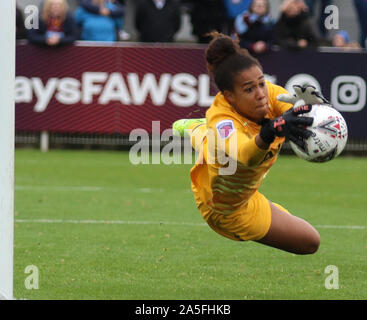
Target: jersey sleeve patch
{"points": [[225, 128]]}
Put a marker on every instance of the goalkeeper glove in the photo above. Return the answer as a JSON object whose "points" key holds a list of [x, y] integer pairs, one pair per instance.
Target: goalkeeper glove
{"points": [[306, 94], [288, 125]]}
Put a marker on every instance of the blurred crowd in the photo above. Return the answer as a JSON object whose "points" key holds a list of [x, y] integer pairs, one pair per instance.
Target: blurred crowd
{"points": [[298, 25]]}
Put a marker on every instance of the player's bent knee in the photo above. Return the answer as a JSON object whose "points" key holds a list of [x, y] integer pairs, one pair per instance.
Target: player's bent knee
{"points": [[313, 243]]}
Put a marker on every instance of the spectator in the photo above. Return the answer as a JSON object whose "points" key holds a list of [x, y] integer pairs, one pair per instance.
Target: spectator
{"points": [[118, 12], [20, 30], [293, 29], [123, 35], [254, 27], [56, 25], [361, 8], [206, 16], [234, 8], [341, 40], [157, 20], [101, 21], [320, 16]]}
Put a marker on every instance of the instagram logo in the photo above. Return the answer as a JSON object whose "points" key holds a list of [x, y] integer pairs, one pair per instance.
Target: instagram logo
{"points": [[348, 93]]}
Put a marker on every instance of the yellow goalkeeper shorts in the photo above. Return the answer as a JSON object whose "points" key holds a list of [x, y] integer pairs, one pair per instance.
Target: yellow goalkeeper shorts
{"points": [[252, 222]]}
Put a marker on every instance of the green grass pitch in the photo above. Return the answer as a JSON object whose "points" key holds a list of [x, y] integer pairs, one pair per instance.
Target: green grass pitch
{"points": [[98, 227]]}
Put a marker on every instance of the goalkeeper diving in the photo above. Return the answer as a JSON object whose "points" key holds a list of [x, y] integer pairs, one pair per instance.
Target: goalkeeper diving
{"points": [[259, 116]]}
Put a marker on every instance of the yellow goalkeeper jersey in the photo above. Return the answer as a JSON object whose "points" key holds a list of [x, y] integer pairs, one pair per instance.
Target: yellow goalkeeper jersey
{"points": [[231, 136]]}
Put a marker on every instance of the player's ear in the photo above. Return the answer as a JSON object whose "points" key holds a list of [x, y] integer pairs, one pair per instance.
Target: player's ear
{"points": [[229, 96]]}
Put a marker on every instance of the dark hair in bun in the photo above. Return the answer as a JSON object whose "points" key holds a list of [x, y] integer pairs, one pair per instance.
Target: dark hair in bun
{"points": [[225, 59]]}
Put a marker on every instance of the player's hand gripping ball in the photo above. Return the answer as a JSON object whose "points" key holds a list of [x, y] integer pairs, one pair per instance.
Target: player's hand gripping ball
{"points": [[329, 135]]}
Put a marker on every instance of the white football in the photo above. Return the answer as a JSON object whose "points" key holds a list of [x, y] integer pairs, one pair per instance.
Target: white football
{"points": [[329, 135]]}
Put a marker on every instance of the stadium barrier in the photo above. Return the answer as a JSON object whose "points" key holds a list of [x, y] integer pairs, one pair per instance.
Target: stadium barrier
{"points": [[97, 93]]}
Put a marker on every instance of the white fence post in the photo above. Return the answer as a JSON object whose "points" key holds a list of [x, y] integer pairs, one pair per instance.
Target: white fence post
{"points": [[7, 79]]}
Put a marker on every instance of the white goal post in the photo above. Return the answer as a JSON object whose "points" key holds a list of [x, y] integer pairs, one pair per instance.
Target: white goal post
{"points": [[7, 79]]}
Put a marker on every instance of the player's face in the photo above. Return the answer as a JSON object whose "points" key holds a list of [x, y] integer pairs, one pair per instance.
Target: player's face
{"points": [[250, 94]]}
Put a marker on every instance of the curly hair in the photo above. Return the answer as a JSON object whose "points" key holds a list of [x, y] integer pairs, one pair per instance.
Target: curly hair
{"points": [[225, 59]]}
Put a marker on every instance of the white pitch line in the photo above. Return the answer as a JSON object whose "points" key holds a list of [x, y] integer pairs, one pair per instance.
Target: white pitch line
{"points": [[175, 223], [58, 188], [85, 189], [340, 227], [110, 222]]}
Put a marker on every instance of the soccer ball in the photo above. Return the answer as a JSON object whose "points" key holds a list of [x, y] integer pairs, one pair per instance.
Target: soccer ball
{"points": [[329, 135]]}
